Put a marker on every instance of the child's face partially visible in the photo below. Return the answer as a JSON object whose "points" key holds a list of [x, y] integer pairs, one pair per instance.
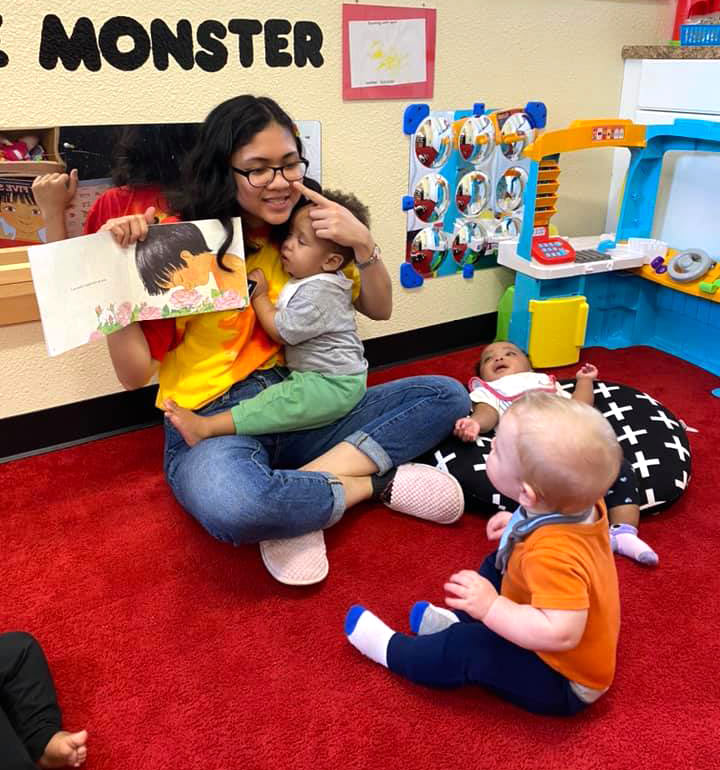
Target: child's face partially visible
{"points": [[503, 464], [501, 359], [302, 252], [24, 217], [195, 273]]}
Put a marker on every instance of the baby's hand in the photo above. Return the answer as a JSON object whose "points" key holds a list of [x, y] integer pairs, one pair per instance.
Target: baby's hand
{"points": [[258, 276], [466, 429], [496, 525], [587, 372], [130, 228], [470, 592]]}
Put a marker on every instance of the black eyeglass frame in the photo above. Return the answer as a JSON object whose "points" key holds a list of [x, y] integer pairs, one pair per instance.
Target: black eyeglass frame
{"points": [[274, 169]]}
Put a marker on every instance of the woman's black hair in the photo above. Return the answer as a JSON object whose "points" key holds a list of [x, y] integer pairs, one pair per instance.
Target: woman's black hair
{"points": [[152, 154], [208, 189], [160, 254]]}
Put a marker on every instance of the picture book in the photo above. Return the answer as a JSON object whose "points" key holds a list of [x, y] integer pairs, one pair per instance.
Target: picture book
{"points": [[89, 287], [21, 223]]}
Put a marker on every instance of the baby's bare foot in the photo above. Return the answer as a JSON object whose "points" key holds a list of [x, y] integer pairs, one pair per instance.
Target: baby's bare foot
{"points": [[65, 749], [190, 425]]}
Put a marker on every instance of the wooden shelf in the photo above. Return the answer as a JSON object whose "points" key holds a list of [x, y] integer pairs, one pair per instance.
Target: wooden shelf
{"points": [[17, 293]]}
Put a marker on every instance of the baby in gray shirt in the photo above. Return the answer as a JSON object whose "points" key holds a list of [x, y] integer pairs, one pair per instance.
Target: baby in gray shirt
{"points": [[314, 317]]}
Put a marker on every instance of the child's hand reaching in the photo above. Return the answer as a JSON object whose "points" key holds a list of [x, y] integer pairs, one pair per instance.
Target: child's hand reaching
{"points": [[53, 192], [130, 228], [261, 287], [471, 593], [587, 372], [466, 429], [496, 525]]}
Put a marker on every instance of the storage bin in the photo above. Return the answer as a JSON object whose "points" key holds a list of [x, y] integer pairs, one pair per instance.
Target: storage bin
{"points": [[700, 34]]}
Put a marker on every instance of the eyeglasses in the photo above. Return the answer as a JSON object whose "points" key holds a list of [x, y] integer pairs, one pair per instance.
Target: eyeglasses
{"points": [[262, 177]]}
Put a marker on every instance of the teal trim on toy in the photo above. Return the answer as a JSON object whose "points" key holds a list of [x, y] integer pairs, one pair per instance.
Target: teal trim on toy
{"points": [[529, 198], [643, 176]]}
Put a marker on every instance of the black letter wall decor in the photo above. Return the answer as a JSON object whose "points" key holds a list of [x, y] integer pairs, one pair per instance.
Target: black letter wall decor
{"points": [[111, 32], [81, 46], [214, 56], [125, 44], [179, 44]]}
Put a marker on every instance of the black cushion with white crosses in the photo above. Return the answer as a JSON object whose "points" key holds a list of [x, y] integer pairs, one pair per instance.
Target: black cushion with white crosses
{"points": [[653, 441]]}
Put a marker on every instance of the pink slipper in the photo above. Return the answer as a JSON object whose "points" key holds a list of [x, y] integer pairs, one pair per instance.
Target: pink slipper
{"points": [[296, 561], [426, 492]]}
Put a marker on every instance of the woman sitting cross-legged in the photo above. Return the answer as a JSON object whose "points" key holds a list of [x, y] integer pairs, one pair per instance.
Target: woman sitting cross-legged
{"points": [[280, 489]]}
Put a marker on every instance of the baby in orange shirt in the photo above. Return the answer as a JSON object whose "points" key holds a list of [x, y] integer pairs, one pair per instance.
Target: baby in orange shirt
{"points": [[505, 373], [538, 623]]}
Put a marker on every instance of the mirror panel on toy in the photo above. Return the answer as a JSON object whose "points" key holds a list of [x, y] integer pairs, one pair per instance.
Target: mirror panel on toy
{"points": [[428, 250], [433, 141], [472, 193], [431, 198], [510, 189], [470, 242], [507, 227], [478, 156], [476, 139], [517, 134]]}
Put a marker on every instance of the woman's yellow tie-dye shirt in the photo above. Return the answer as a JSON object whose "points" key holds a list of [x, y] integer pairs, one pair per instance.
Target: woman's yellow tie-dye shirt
{"points": [[210, 352]]}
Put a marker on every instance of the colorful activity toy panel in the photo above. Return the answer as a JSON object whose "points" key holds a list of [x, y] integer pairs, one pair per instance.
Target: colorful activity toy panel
{"points": [[635, 290], [466, 186]]}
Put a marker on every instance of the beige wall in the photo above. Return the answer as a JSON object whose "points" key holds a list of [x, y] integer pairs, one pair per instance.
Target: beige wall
{"points": [[563, 52]]}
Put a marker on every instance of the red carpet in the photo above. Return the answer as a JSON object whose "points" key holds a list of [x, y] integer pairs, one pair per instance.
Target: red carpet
{"points": [[176, 651]]}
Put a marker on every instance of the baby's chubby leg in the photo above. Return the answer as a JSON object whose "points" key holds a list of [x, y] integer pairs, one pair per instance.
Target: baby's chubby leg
{"points": [[194, 427]]}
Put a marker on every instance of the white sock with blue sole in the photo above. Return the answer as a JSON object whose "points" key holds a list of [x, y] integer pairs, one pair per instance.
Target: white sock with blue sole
{"points": [[368, 633], [426, 618]]}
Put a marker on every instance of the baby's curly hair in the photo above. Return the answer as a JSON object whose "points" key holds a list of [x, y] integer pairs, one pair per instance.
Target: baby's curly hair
{"points": [[358, 209]]}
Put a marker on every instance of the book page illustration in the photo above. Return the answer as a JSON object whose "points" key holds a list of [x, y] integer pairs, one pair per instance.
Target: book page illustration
{"points": [[89, 287]]}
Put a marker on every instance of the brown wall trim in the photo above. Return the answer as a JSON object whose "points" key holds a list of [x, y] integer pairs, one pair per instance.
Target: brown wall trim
{"points": [[62, 426]]}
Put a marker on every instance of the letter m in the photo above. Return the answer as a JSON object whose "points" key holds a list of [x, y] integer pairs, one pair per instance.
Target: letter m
{"points": [[81, 46]]}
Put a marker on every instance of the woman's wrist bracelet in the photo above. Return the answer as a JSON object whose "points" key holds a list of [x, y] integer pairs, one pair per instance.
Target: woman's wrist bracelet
{"points": [[374, 257]]}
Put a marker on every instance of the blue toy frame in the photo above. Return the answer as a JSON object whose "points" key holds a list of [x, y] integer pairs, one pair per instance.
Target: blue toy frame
{"points": [[625, 308]]}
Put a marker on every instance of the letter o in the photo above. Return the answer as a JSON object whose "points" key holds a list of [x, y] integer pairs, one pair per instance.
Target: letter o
{"points": [[110, 33]]}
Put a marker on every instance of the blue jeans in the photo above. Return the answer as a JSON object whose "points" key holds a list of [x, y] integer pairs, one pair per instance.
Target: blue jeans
{"points": [[468, 652], [240, 489]]}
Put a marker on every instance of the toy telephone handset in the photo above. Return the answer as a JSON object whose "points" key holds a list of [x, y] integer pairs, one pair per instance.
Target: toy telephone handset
{"points": [[552, 251]]}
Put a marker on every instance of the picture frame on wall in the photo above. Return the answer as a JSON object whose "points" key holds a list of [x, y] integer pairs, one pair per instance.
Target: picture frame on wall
{"points": [[388, 52]]}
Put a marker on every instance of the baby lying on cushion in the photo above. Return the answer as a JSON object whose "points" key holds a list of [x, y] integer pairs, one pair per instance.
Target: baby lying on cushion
{"points": [[655, 447]]}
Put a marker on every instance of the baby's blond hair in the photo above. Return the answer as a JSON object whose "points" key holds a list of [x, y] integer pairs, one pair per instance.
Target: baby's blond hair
{"points": [[568, 452]]}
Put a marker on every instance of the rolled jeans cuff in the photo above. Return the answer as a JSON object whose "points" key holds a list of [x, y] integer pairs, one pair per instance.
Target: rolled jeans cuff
{"points": [[338, 493], [368, 446]]}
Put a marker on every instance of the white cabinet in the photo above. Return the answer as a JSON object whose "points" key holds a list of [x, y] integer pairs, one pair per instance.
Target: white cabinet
{"points": [[661, 91]]}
